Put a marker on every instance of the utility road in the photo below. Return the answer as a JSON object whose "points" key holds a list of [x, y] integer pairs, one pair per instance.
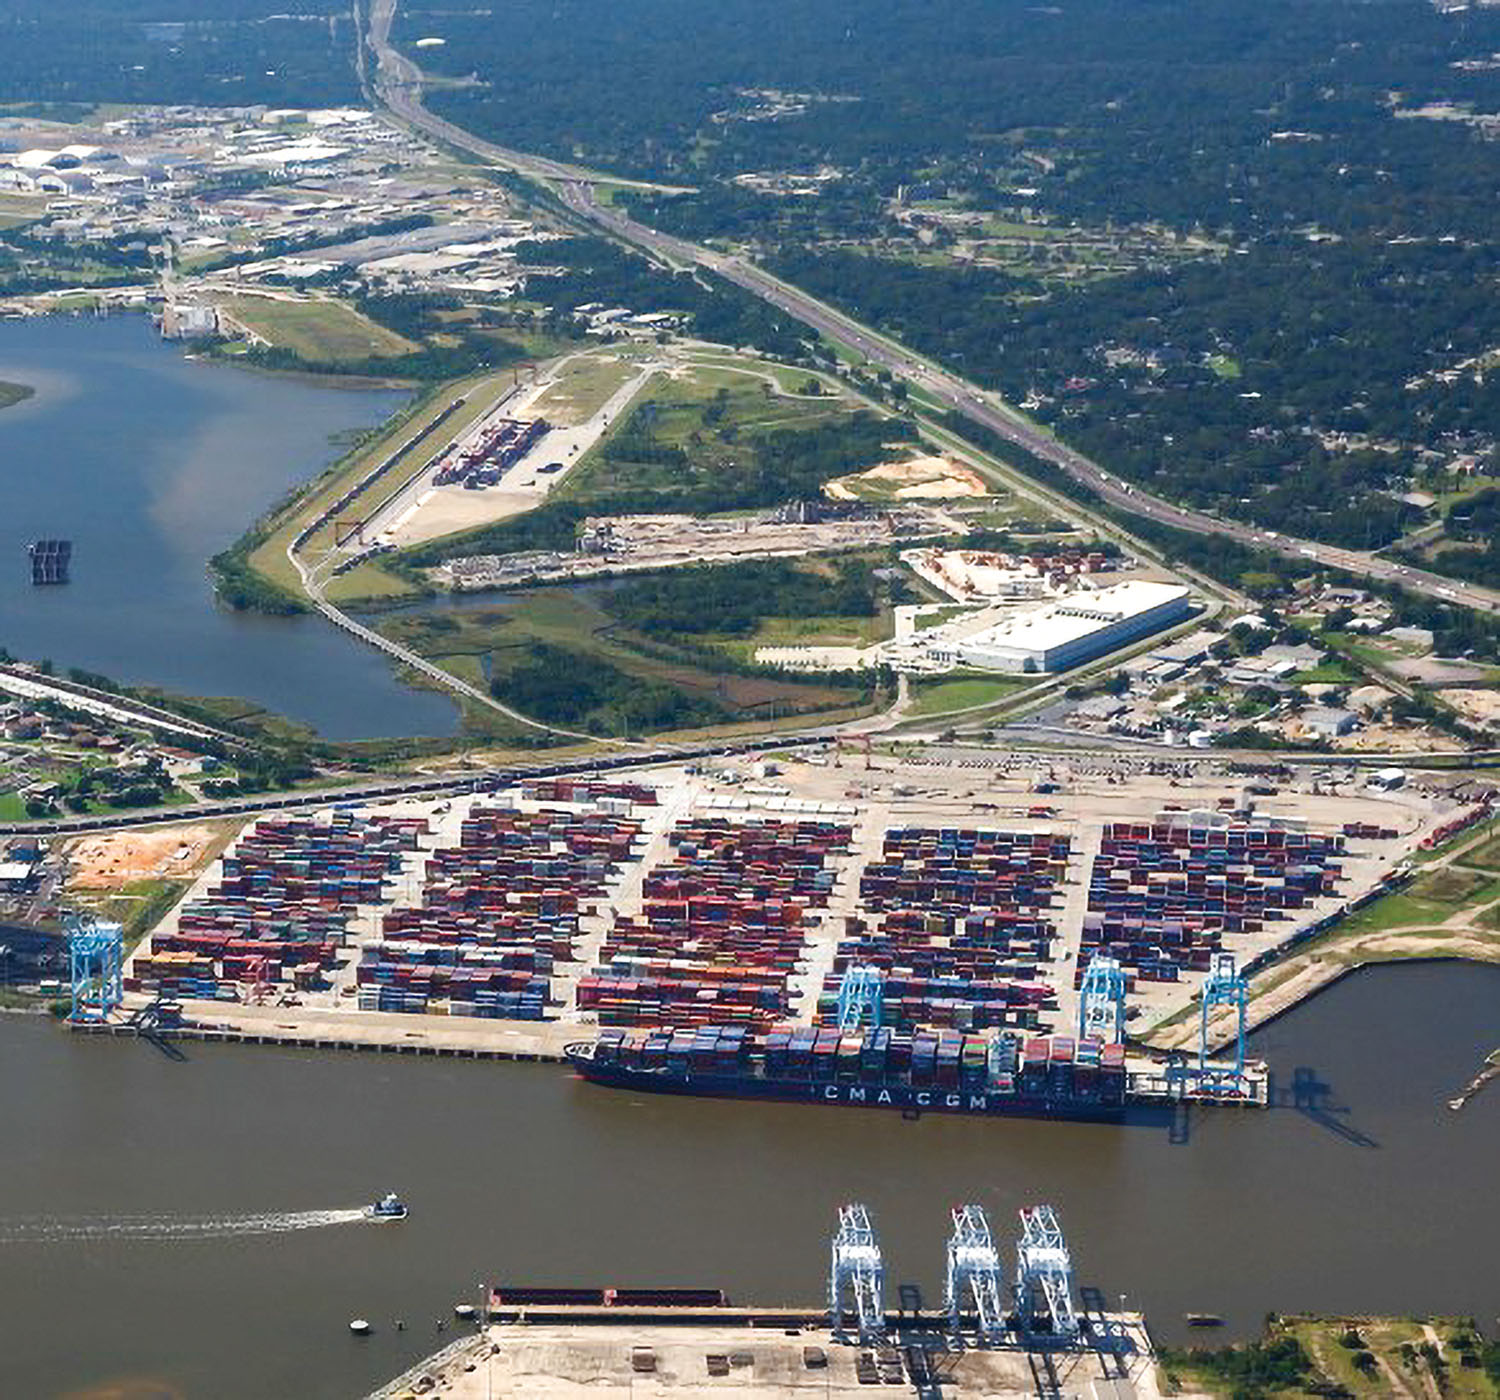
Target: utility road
{"points": [[398, 84]]}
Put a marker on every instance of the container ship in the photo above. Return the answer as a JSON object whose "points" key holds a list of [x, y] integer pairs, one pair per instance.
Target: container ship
{"points": [[923, 1071]]}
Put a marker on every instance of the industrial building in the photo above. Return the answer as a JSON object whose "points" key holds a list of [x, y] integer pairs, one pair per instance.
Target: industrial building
{"points": [[1077, 629]]}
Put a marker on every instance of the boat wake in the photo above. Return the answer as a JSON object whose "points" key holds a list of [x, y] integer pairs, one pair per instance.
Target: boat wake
{"points": [[169, 1228]]}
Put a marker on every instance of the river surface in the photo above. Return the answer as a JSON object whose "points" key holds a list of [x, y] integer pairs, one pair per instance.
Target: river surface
{"points": [[156, 1217], [151, 463]]}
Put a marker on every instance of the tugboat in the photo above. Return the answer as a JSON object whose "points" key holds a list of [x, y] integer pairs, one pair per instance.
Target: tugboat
{"points": [[388, 1207]]}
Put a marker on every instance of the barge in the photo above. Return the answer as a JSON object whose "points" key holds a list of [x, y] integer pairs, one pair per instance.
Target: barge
{"points": [[1003, 1075]]}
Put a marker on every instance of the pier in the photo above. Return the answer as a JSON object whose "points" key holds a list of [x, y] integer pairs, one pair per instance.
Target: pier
{"points": [[386, 1034]]}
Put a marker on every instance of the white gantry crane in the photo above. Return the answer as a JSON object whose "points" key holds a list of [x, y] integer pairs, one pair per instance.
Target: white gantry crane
{"points": [[856, 1268], [974, 1269], [1044, 1280]]}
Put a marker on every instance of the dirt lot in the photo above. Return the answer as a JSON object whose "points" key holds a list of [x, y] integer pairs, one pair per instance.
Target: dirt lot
{"points": [[1483, 705], [914, 478], [120, 858]]}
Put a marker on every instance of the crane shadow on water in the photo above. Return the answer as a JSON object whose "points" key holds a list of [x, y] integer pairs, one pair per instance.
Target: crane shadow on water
{"points": [[1310, 1096], [1307, 1094]]}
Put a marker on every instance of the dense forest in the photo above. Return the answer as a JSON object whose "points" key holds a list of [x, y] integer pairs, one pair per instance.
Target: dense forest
{"points": [[1202, 113], [565, 687], [208, 52], [733, 599], [1474, 525], [1333, 259], [1212, 384]]}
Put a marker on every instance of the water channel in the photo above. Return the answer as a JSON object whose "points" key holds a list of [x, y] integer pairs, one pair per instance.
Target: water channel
{"points": [[151, 463], [129, 1181]]}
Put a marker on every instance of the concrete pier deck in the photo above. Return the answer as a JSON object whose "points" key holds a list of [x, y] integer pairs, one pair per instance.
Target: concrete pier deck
{"points": [[767, 1354], [388, 1033]]}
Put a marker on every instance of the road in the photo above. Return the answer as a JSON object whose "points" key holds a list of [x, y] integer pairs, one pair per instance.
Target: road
{"points": [[398, 84], [313, 582], [32, 685]]}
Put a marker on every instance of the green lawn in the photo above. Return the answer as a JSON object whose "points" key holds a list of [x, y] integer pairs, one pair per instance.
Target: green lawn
{"points": [[1485, 856], [939, 697], [323, 332], [1430, 899], [140, 906]]}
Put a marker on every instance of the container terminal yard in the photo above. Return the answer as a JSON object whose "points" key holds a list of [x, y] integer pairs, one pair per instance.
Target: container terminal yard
{"points": [[1009, 1324], [931, 933]]}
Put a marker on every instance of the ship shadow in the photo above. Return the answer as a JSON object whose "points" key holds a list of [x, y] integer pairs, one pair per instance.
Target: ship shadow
{"points": [[1312, 1097]]}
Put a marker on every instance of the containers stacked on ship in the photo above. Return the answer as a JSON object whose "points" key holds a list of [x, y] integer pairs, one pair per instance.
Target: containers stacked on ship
{"points": [[1049, 1076]]}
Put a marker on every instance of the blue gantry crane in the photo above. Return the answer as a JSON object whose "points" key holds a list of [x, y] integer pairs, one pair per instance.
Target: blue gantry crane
{"points": [[96, 964], [1101, 1003], [1224, 987]]}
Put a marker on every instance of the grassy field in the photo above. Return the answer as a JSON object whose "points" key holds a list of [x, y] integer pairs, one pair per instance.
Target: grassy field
{"points": [[789, 380], [323, 332], [940, 697], [823, 631], [14, 393], [711, 416], [140, 906], [1365, 1357], [1485, 856], [482, 644], [1432, 898]]}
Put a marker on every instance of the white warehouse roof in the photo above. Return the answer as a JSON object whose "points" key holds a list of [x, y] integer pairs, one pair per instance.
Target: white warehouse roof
{"points": [[1079, 614], [1078, 627]]}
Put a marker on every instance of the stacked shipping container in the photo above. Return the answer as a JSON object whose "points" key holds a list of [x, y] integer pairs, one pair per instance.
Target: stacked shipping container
{"points": [[1162, 897], [963, 931], [722, 927], [498, 911], [281, 908]]}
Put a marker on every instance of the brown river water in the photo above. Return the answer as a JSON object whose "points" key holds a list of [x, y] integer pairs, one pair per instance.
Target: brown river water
{"points": [[180, 1223]]}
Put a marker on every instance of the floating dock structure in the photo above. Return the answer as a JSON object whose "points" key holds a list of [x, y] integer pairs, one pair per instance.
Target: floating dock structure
{"points": [[51, 561]]}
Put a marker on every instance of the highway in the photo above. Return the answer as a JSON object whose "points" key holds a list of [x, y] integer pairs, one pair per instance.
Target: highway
{"points": [[398, 84]]}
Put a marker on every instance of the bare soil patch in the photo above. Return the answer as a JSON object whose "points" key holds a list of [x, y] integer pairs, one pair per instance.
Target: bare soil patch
{"points": [[121, 858]]}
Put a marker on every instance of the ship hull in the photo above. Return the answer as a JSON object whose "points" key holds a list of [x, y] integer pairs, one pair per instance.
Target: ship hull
{"points": [[904, 1097]]}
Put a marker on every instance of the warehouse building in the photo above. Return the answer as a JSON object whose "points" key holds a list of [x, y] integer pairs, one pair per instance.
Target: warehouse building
{"points": [[1077, 629]]}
